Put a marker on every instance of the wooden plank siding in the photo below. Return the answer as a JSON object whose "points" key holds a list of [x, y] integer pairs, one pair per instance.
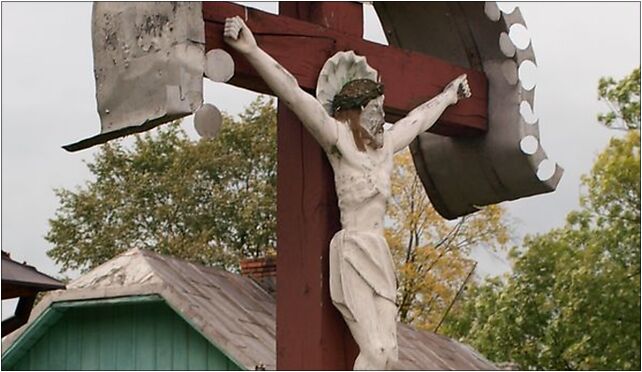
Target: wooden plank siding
{"points": [[124, 336]]}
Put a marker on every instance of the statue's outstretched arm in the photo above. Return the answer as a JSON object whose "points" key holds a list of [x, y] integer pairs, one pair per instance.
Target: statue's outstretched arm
{"points": [[422, 117], [283, 84]]}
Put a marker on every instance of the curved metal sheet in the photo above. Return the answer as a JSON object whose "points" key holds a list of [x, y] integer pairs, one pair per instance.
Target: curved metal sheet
{"points": [[148, 63], [462, 174]]}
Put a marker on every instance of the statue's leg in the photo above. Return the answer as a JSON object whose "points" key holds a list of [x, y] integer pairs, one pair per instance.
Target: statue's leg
{"points": [[374, 335], [387, 315]]}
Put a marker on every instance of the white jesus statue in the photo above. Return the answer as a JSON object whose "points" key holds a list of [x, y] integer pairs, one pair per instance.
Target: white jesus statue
{"points": [[349, 126]]}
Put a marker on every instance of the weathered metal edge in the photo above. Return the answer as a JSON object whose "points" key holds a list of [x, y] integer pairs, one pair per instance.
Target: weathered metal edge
{"points": [[104, 137]]}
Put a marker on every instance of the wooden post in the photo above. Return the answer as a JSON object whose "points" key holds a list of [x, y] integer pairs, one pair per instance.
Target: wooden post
{"points": [[310, 332]]}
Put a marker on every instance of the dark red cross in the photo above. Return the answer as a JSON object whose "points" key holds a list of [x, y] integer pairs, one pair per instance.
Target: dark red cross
{"points": [[310, 332]]}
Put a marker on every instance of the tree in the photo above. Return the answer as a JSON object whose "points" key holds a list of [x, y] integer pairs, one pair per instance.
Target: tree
{"points": [[623, 99], [211, 201], [429, 251], [573, 300]]}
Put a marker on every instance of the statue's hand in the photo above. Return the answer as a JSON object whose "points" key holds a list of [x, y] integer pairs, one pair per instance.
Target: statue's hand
{"points": [[238, 35], [458, 89]]}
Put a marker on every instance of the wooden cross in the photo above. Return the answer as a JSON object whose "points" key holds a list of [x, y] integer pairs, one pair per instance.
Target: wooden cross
{"points": [[310, 332]]}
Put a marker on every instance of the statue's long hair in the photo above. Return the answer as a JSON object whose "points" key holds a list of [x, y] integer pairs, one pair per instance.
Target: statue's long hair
{"points": [[352, 117], [348, 103]]}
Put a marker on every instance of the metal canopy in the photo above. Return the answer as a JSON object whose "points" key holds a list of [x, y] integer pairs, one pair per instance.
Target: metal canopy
{"points": [[148, 63], [462, 174]]}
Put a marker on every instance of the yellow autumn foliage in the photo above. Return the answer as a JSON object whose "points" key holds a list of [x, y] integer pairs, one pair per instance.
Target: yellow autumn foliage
{"points": [[430, 252]]}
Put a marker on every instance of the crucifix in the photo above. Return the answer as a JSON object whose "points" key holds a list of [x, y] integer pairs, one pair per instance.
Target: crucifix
{"points": [[310, 334], [156, 53], [347, 121]]}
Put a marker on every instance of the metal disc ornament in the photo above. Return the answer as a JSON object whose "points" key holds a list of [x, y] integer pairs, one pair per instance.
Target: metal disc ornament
{"points": [[219, 65], [207, 121]]}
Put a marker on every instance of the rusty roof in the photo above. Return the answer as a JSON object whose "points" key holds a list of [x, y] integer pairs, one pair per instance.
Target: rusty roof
{"points": [[21, 279], [232, 311]]}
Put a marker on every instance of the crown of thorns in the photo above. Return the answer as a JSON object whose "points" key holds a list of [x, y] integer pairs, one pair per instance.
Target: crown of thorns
{"points": [[356, 94]]}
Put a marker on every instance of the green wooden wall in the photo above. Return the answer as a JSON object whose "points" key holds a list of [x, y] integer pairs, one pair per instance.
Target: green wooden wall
{"points": [[124, 336]]}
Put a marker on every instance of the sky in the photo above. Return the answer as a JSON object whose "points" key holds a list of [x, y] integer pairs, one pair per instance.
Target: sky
{"points": [[48, 101]]}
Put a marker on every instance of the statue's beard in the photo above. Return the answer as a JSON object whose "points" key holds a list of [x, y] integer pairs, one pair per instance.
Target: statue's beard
{"points": [[372, 128]]}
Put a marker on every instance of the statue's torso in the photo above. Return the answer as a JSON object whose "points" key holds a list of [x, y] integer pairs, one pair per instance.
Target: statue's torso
{"points": [[362, 181]]}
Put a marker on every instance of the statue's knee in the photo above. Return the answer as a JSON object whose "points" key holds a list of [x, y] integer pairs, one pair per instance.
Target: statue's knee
{"points": [[392, 355], [377, 355], [388, 352], [380, 360], [382, 352]]}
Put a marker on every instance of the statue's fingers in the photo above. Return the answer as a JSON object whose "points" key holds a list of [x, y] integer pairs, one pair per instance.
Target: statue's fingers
{"points": [[232, 34], [240, 21], [232, 28], [228, 29], [233, 31], [229, 22], [238, 24]]}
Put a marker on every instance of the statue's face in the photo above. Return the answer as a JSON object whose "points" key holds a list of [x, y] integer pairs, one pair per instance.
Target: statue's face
{"points": [[372, 121]]}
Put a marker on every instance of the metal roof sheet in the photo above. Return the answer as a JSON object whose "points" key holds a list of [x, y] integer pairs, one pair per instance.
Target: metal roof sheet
{"points": [[232, 311], [16, 275]]}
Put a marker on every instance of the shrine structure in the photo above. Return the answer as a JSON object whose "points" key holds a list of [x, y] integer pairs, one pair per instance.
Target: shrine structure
{"points": [[157, 52]]}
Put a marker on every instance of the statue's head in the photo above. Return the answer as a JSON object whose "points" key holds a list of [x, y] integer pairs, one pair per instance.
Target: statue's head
{"points": [[360, 104]]}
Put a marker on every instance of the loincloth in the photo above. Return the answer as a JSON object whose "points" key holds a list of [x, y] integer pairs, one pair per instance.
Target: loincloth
{"points": [[368, 254]]}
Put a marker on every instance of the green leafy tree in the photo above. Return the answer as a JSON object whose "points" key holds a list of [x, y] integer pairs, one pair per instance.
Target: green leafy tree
{"points": [[573, 300], [623, 99], [430, 253], [211, 201]]}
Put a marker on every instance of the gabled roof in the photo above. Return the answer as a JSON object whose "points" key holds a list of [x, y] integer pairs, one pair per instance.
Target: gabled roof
{"points": [[231, 311], [23, 280]]}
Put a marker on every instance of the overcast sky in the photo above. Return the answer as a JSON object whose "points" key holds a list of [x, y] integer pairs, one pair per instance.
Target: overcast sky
{"points": [[48, 101]]}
